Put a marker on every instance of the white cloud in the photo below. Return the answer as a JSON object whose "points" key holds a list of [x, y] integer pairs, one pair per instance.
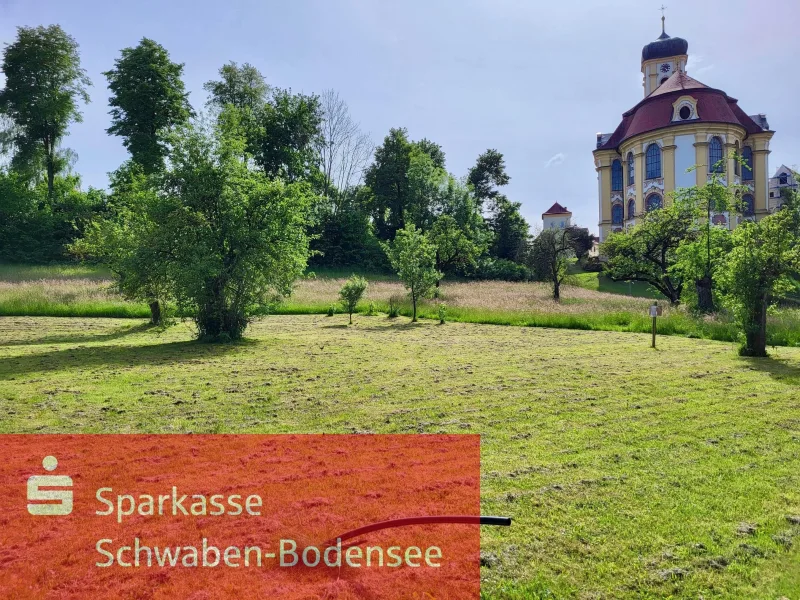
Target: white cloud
{"points": [[555, 160], [697, 65]]}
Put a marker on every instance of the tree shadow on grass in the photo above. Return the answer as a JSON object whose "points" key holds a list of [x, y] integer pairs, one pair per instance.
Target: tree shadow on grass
{"points": [[77, 338], [393, 327], [115, 357], [778, 368]]}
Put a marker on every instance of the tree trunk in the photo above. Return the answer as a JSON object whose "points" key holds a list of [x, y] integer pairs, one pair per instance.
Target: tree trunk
{"points": [[705, 296], [155, 312], [51, 176], [351, 318], [756, 331], [414, 303], [556, 290]]}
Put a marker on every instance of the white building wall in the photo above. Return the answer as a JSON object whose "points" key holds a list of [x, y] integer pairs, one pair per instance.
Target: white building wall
{"points": [[684, 158], [556, 221]]}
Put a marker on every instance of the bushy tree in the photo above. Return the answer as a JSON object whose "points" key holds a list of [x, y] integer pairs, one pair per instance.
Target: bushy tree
{"points": [[648, 251], [44, 84], [413, 257], [36, 226], [699, 257], [351, 293], [221, 237], [756, 272], [346, 237], [459, 233], [510, 230], [129, 240], [148, 100]]}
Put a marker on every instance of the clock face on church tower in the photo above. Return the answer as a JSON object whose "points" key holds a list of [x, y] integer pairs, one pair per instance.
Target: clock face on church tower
{"points": [[665, 68]]}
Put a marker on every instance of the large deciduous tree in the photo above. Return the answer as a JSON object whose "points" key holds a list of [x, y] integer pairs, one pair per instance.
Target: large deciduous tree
{"points": [[148, 100], [243, 87], [648, 252], [44, 84], [510, 230], [287, 136], [344, 150], [488, 174], [387, 177], [757, 271]]}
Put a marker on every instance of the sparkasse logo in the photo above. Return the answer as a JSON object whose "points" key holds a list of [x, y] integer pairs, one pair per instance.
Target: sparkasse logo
{"points": [[49, 501]]}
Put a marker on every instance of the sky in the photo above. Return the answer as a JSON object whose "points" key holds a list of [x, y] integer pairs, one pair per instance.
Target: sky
{"points": [[535, 80]]}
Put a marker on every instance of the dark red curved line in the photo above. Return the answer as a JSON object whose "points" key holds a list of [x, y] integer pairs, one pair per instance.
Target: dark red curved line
{"points": [[446, 519]]}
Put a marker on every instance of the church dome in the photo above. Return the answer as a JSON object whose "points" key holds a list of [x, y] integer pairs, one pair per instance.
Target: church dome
{"points": [[664, 47]]}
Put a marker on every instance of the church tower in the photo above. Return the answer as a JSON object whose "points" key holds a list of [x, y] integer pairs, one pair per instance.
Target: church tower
{"points": [[662, 58]]}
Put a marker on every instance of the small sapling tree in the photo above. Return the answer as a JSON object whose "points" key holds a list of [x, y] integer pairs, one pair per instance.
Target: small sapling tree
{"points": [[414, 258], [351, 293]]}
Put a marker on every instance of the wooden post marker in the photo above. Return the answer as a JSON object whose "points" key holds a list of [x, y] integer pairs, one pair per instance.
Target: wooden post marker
{"points": [[655, 311]]}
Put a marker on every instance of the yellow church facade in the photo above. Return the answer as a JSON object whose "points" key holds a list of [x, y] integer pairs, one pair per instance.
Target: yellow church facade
{"points": [[680, 123]]}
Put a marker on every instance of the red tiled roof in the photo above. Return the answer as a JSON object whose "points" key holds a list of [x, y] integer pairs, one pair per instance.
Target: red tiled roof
{"points": [[678, 81], [557, 209], [655, 111]]}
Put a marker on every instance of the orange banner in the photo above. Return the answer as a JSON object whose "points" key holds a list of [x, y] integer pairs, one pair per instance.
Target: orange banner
{"points": [[239, 516]]}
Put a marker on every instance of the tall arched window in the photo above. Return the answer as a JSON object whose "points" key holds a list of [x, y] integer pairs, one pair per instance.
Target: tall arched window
{"points": [[653, 161], [631, 209], [748, 206], [616, 176], [715, 156], [616, 214], [736, 164], [653, 202], [631, 169], [747, 156]]}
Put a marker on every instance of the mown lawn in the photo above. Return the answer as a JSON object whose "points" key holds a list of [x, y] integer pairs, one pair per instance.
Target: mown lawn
{"points": [[629, 472]]}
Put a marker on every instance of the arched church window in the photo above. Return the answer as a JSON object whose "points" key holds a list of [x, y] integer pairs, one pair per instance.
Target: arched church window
{"points": [[653, 161], [631, 168], [631, 209], [747, 156], [616, 176], [748, 206], [736, 164], [616, 214], [653, 202], [715, 156]]}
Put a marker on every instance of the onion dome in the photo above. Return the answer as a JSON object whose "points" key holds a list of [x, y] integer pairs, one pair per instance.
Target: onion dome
{"points": [[665, 46]]}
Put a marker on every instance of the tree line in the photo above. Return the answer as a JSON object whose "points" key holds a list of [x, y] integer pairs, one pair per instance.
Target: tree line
{"points": [[219, 208]]}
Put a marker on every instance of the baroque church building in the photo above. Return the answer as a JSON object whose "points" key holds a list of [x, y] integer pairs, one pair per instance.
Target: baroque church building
{"points": [[680, 123]]}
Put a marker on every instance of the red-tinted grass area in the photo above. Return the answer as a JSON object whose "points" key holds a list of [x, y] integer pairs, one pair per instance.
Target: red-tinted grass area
{"points": [[310, 489]]}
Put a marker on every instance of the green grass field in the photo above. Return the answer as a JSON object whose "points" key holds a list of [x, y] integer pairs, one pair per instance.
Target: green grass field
{"points": [[590, 302], [629, 472]]}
